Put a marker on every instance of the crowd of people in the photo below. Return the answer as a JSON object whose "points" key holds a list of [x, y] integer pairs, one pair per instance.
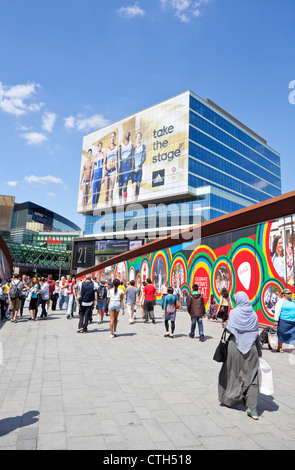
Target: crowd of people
{"points": [[103, 297], [111, 298]]}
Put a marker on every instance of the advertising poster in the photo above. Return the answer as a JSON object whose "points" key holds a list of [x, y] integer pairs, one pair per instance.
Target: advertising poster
{"points": [[141, 158]]}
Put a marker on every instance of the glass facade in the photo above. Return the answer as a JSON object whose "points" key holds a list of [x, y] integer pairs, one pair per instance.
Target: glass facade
{"points": [[229, 167], [223, 155], [29, 218]]}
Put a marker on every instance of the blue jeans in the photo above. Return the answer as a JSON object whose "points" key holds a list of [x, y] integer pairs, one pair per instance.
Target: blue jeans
{"points": [[61, 301], [43, 303], [70, 304], [194, 321]]}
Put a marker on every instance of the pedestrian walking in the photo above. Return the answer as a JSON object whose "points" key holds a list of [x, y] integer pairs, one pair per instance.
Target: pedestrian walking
{"points": [[69, 295], [196, 309], [62, 292], [238, 377], [130, 298], [115, 301], [141, 298], [2, 301], [149, 293], [212, 313], [170, 306], [101, 300], [285, 319], [55, 295], [51, 284], [33, 297], [224, 306], [16, 287], [24, 294], [44, 297], [87, 298], [164, 292]]}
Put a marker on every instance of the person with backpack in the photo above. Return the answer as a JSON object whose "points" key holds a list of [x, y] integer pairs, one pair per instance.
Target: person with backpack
{"points": [[196, 309], [101, 300], [87, 298], [15, 292]]}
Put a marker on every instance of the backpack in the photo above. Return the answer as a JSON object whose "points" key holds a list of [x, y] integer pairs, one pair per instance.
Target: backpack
{"points": [[14, 292], [101, 292]]}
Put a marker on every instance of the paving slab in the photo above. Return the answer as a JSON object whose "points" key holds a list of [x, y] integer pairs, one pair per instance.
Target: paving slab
{"points": [[63, 390]]}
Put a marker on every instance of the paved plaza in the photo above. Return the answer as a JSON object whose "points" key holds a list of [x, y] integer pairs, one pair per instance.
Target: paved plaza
{"points": [[61, 389]]}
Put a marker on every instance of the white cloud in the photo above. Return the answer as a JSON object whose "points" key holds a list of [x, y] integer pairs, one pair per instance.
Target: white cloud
{"points": [[34, 138], [70, 122], [12, 183], [131, 11], [15, 99], [185, 9], [48, 121], [51, 194], [43, 179], [86, 123]]}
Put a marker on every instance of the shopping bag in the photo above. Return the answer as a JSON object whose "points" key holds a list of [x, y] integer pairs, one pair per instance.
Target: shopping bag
{"points": [[220, 354], [273, 339], [265, 378]]}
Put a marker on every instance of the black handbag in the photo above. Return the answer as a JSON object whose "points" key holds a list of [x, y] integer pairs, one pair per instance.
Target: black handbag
{"points": [[220, 354]]}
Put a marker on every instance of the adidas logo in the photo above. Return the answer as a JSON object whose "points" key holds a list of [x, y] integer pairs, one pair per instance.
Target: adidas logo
{"points": [[158, 178]]}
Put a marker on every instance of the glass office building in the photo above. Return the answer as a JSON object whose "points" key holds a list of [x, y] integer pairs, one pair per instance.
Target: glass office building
{"points": [[200, 163], [29, 218]]}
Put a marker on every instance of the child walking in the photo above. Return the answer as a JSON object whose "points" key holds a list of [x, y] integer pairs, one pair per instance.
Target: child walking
{"points": [[170, 311]]}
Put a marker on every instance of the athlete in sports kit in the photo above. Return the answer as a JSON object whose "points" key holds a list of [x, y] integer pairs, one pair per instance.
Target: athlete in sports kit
{"points": [[125, 154], [98, 174], [86, 178], [139, 157], [111, 163]]}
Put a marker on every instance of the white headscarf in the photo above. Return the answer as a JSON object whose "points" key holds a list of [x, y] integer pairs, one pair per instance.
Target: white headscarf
{"points": [[243, 323]]}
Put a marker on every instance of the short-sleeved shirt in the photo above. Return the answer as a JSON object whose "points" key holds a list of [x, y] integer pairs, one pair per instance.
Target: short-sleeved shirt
{"points": [[130, 295], [149, 292], [117, 296]]}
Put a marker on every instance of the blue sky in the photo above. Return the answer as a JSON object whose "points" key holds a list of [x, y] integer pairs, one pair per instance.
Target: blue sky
{"points": [[68, 67]]}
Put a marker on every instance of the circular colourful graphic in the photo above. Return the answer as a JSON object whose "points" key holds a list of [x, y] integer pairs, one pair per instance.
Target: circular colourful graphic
{"points": [[131, 274], [201, 275], [121, 272], [159, 269], [270, 294], [185, 292], [178, 271], [138, 281], [248, 266], [223, 276], [144, 270]]}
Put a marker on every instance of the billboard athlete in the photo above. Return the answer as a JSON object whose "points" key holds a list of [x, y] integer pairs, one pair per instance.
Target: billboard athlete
{"points": [[86, 178], [98, 176], [110, 169], [139, 159], [126, 152]]}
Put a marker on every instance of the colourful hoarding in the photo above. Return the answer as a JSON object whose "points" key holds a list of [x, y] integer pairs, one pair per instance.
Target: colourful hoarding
{"points": [[258, 260]]}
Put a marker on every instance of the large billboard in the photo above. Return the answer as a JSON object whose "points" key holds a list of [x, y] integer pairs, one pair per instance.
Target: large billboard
{"points": [[142, 158]]}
